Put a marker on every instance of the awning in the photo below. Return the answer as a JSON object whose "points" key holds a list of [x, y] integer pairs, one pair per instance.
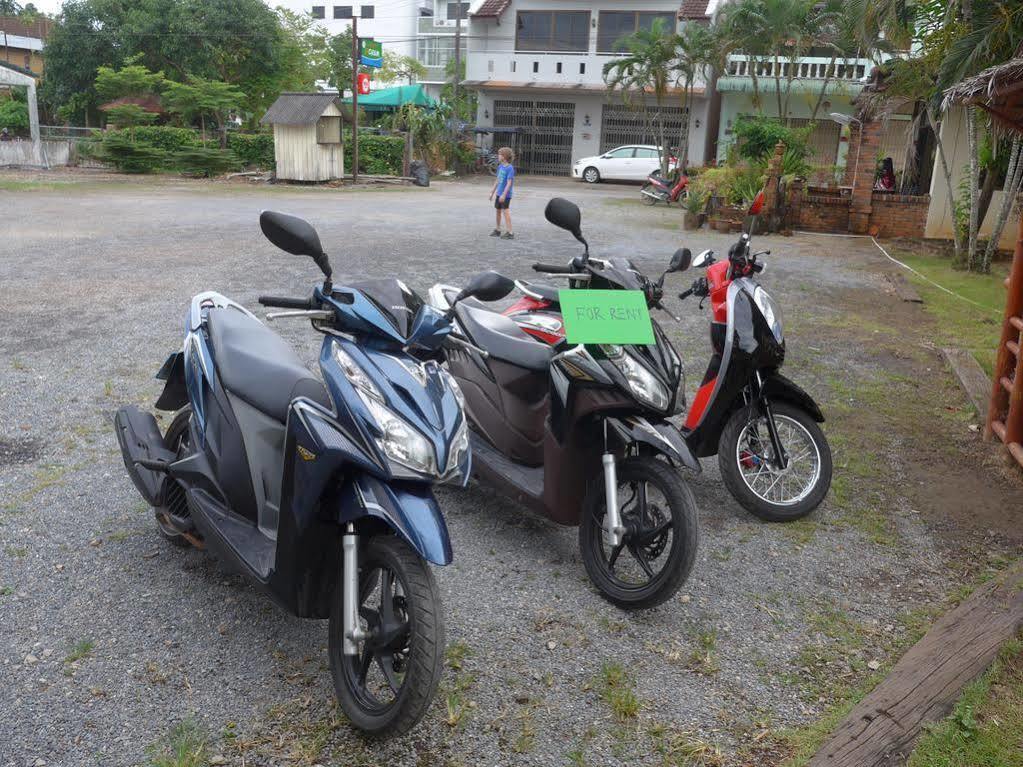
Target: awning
{"points": [[392, 98], [766, 84]]}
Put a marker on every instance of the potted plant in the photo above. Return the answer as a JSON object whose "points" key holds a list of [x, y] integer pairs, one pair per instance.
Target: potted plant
{"points": [[695, 205]]}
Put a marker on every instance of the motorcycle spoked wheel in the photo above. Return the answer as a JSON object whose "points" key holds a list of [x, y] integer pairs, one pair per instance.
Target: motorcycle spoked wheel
{"points": [[647, 199], [176, 439], [388, 686], [662, 534], [745, 455]]}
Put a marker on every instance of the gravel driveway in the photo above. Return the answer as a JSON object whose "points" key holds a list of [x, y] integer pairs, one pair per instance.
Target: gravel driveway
{"points": [[110, 639]]}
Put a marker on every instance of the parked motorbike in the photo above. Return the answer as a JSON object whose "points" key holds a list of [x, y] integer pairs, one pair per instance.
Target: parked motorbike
{"points": [[659, 188], [576, 433], [320, 493], [774, 458]]}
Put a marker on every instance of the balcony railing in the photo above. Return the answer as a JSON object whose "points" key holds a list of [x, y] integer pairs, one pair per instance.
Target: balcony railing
{"points": [[808, 67]]}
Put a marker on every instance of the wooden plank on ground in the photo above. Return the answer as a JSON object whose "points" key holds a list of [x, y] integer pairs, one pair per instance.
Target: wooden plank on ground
{"points": [[925, 684], [903, 289], [972, 378]]}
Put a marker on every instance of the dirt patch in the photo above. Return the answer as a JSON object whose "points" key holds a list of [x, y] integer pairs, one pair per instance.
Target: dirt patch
{"points": [[19, 451]]}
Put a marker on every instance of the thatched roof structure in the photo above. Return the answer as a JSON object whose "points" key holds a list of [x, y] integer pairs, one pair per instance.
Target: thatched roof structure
{"points": [[997, 90]]}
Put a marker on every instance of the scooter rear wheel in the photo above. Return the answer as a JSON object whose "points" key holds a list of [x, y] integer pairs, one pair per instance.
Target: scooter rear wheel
{"points": [[659, 548], [388, 686], [647, 199], [745, 456]]}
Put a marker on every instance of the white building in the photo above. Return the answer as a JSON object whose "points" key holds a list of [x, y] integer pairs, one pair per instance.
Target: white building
{"points": [[395, 23], [538, 69], [435, 45]]}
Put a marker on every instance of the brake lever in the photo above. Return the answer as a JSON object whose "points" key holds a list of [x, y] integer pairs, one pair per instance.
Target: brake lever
{"points": [[466, 345], [313, 314]]}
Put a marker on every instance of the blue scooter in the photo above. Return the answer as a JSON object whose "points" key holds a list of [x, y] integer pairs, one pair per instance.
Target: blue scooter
{"points": [[319, 492]]}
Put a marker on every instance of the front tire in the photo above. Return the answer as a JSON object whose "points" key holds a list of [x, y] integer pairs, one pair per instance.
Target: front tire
{"points": [[647, 199], [745, 456], [387, 687], [659, 548], [591, 175]]}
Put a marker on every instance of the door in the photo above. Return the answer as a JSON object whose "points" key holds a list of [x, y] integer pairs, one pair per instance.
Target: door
{"points": [[647, 161], [544, 130], [618, 163]]}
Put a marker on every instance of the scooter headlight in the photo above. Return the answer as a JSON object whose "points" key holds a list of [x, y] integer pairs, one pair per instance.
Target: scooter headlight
{"points": [[643, 384], [770, 310], [400, 441]]}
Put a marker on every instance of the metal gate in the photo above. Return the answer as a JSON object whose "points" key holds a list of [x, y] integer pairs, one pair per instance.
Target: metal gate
{"points": [[822, 141], [623, 124], [540, 132]]}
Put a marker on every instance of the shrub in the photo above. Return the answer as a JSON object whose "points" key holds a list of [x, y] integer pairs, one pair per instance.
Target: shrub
{"points": [[127, 156], [205, 161], [14, 115], [756, 137], [253, 150], [164, 137], [378, 155]]}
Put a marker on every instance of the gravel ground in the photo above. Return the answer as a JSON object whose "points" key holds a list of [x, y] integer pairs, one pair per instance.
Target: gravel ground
{"points": [[111, 637]]}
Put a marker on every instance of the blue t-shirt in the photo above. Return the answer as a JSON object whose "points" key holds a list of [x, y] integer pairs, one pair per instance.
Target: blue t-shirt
{"points": [[505, 176]]}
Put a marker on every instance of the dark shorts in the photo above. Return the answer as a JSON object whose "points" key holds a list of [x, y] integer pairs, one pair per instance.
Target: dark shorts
{"points": [[502, 205]]}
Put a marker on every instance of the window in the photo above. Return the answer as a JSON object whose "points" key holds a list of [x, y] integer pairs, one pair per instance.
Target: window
{"points": [[553, 31], [536, 67], [621, 154], [436, 51], [614, 25], [558, 68], [646, 153], [328, 130], [342, 11], [368, 12], [452, 11], [318, 12], [582, 67]]}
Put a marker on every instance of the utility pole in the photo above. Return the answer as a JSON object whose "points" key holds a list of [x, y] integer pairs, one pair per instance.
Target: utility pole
{"points": [[458, 50], [355, 95]]}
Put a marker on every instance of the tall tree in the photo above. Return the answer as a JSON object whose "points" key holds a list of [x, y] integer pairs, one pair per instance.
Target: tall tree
{"points": [[204, 98], [699, 51]]}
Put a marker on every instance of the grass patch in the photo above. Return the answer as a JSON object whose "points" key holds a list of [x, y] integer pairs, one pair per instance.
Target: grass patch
{"points": [[184, 746], [962, 324], [677, 748], [82, 649], [986, 724], [616, 689]]}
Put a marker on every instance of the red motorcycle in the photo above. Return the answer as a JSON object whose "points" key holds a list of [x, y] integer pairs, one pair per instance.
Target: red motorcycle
{"points": [[774, 458], [658, 188]]}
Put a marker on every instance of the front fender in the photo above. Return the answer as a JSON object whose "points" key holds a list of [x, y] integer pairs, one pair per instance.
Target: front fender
{"points": [[780, 388], [408, 508], [660, 436]]}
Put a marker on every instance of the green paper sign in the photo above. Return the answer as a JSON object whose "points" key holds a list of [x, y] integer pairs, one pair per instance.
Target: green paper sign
{"points": [[606, 317]]}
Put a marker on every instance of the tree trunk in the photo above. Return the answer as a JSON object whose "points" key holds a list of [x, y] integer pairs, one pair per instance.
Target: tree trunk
{"points": [[971, 133], [754, 62], [824, 89], [662, 148], [202, 122], [957, 246], [777, 86], [1013, 184], [683, 143]]}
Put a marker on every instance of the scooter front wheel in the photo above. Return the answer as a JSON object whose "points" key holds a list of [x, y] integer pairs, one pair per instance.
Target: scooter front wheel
{"points": [[386, 688], [746, 458], [658, 549]]}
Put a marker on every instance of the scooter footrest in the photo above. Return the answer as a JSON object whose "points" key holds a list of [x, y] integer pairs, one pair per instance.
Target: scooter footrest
{"points": [[141, 441]]}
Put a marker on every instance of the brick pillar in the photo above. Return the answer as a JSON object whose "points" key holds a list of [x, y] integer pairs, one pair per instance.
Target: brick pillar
{"points": [[863, 176], [795, 204], [771, 202]]}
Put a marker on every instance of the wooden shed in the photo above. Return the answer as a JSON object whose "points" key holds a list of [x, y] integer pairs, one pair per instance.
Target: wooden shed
{"points": [[307, 136]]}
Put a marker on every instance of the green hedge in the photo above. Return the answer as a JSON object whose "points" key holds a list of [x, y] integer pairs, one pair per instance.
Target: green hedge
{"points": [[253, 149], [163, 137], [378, 155]]}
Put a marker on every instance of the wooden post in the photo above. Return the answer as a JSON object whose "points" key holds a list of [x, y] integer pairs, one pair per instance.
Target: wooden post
{"points": [[355, 97], [1007, 386]]}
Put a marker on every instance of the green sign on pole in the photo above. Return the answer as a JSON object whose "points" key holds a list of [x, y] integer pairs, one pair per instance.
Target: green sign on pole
{"points": [[372, 53], [606, 317]]}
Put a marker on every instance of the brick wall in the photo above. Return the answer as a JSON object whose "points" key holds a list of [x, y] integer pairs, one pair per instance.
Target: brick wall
{"points": [[898, 215], [824, 213]]}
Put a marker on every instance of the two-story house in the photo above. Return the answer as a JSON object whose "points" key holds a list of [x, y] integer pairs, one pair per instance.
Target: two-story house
{"points": [[435, 43], [537, 66], [391, 22], [22, 42]]}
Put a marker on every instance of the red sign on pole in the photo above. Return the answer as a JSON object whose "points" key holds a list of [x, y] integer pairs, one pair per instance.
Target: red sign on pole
{"points": [[363, 81]]}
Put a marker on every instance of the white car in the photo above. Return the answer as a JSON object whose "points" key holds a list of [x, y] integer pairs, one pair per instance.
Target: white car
{"points": [[625, 163]]}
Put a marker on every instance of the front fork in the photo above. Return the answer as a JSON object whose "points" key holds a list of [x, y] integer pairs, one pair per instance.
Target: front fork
{"points": [[353, 632], [781, 458], [614, 531]]}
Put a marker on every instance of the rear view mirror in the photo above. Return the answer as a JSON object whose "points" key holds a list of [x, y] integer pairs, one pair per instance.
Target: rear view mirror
{"points": [[703, 259], [567, 216], [488, 286], [680, 260], [294, 235]]}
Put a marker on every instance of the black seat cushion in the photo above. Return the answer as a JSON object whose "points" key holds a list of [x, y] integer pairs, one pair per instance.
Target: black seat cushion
{"points": [[257, 365], [502, 338], [538, 290]]}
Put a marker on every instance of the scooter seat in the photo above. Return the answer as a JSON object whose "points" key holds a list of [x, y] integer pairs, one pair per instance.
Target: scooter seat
{"points": [[257, 365], [502, 338]]}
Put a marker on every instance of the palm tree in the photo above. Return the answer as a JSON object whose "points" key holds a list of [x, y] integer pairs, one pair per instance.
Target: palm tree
{"points": [[699, 51], [738, 24], [645, 66]]}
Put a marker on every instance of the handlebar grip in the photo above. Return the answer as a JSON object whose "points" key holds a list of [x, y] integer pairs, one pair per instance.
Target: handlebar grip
{"points": [[287, 303], [553, 269], [685, 294]]}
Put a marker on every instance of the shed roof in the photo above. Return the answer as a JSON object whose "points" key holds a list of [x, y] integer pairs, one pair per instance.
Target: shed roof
{"points": [[997, 90], [694, 9], [299, 108], [491, 9]]}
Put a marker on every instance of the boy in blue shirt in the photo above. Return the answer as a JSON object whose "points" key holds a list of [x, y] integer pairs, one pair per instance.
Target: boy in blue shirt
{"points": [[503, 190]]}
